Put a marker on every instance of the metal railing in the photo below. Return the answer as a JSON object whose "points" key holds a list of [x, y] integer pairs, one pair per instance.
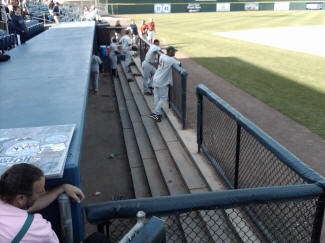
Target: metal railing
{"points": [[246, 157], [177, 92], [223, 216], [273, 196]]}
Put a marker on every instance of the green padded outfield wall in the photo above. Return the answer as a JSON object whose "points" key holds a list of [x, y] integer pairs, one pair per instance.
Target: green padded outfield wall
{"points": [[208, 7], [190, 1], [237, 7], [180, 6], [266, 6], [132, 9], [297, 6]]}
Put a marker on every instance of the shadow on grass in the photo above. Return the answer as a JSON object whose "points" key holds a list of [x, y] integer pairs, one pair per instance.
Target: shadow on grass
{"points": [[297, 101]]}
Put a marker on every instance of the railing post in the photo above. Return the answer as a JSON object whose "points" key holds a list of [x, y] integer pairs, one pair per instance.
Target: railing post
{"points": [[141, 49], [318, 221], [169, 96], [100, 228], [65, 218], [184, 75], [199, 119], [237, 156]]}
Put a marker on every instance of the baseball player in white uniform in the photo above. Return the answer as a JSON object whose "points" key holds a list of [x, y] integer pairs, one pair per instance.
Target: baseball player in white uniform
{"points": [[126, 45], [112, 55], [161, 81], [149, 68]]}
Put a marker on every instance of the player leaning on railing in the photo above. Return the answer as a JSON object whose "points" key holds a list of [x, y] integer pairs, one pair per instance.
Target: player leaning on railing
{"points": [[148, 67], [161, 81]]}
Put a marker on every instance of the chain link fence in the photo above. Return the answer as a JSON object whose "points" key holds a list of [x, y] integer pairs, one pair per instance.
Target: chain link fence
{"points": [[243, 215], [243, 154], [177, 91], [248, 158], [273, 196]]}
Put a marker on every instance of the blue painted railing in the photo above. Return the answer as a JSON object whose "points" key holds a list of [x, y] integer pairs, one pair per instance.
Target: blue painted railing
{"points": [[246, 157], [222, 212]]}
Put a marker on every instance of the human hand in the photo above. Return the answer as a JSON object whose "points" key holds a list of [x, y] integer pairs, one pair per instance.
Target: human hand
{"points": [[74, 192]]}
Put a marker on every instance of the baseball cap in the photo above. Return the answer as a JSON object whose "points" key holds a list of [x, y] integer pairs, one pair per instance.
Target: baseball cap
{"points": [[171, 48]]}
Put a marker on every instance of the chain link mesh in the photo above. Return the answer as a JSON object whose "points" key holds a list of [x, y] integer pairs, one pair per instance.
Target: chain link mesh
{"points": [[219, 137], [120, 227], [268, 169], [290, 221], [175, 93], [280, 222], [258, 166]]}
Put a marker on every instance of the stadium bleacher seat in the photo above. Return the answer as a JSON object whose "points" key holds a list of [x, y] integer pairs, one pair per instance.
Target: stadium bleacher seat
{"points": [[7, 42]]}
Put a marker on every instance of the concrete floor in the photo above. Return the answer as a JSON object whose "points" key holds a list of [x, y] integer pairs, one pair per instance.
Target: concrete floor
{"points": [[103, 136]]}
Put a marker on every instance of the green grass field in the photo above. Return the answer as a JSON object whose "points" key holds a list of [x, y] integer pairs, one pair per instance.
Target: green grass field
{"points": [[291, 82]]}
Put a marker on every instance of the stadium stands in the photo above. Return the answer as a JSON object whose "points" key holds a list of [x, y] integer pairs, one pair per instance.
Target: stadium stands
{"points": [[33, 28]]}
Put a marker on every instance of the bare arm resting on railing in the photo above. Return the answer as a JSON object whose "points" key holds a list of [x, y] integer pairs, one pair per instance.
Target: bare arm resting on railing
{"points": [[73, 192]]}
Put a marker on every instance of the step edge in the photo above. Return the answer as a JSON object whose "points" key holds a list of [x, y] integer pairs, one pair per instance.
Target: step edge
{"points": [[154, 191], [145, 190]]}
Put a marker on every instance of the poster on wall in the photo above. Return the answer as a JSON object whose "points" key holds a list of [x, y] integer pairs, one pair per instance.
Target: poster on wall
{"points": [[45, 147], [314, 5], [223, 7], [251, 6], [281, 6], [163, 8], [193, 7]]}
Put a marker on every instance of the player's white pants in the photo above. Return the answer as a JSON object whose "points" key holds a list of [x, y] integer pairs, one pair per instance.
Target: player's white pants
{"points": [[148, 72], [94, 80], [113, 59], [127, 54], [160, 97], [151, 34]]}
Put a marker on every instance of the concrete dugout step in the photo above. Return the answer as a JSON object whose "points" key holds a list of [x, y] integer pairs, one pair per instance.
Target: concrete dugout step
{"points": [[171, 175], [152, 172], [140, 183], [190, 175], [179, 173]]}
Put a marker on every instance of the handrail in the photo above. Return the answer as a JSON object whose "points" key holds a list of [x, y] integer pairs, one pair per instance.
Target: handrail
{"points": [[42, 19], [141, 218], [101, 212], [282, 153], [6, 23]]}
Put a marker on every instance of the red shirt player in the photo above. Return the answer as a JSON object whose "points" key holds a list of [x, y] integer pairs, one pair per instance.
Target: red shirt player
{"points": [[151, 30], [143, 29]]}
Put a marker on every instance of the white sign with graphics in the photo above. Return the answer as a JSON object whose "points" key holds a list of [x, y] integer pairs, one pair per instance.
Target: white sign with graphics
{"points": [[251, 6], [163, 8], [314, 6], [45, 147], [193, 7], [223, 7], [281, 6]]}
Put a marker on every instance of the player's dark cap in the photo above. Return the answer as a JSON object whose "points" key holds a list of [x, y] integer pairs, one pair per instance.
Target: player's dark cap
{"points": [[171, 48]]}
